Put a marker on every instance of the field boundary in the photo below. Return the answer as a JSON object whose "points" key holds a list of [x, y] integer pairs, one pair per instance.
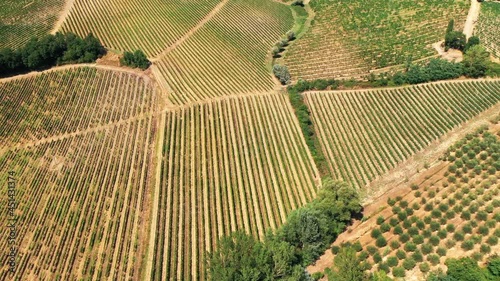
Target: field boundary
{"points": [[67, 9]]}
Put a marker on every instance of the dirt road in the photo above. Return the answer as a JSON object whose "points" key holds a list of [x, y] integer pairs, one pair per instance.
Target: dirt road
{"points": [[472, 18]]}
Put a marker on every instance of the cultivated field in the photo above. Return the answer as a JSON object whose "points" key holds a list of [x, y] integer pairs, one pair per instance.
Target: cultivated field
{"points": [[80, 142], [150, 26], [366, 133], [451, 210], [488, 27], [240, 163], [69, 101], [22, 19], [347, 39], [227, 56]]}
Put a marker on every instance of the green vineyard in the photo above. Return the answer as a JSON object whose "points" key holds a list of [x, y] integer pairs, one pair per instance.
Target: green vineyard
{"points": [[150, 26], [227, 56], [347, 39], [488, 27], [235, 164], [366, 133], [22, 19]]}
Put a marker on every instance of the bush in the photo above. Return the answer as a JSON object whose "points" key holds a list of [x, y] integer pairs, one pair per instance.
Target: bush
{"points": [[398, 272], [450, 227], [363, 255], [450, 243], [483, 230], [441, 251], [485, 249], [409, 263], [281, 72], [397, 230], [384, 267], [413, 231], [434, 240], [403, 238], [372, 249], [442, 233], [467, 228], [424, 267], [357, 246], [476, 61], [393, 222], [136, 59], [375, 233], [391, 201], [458, 235], [400, 254], [467, 245], [385, 227], [492, 240], [410, 247], [377, 258], [418, 239], [420, 225], [427, 248], [435, 225], [482, 216], [381, 242], [433, 259], [407, 224], [290, 35], [417, 256], [392, 261], [380, 220], [395, 244]]}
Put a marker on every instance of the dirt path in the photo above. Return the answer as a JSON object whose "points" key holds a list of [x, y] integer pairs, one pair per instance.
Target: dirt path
{"points": [[408, 171], [67, 8], [188, 34], [472, 18]]}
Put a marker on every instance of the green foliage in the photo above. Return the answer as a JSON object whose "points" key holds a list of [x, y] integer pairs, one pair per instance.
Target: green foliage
{"points": [[476, 61], [50, 50], [381, 242], [398, 272], [454, 40], [464, 269], [136, 59], [346, 266], [281, 72]]}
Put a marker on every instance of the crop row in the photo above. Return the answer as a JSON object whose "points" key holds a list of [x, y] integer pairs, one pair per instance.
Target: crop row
{"points": [[79, 204], [348, 39], [60, 102], [365, 133], [488, 27], [228, 54], [150, 26], [234, 164]]}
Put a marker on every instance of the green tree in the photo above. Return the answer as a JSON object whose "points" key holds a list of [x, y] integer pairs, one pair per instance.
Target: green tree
{"points": [[464, 269], [281, 72], [476, 61], [347, 267], [455, 40]]}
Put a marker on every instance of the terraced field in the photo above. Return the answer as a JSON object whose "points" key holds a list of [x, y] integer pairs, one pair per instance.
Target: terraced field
{"points": [[150, 26], [488, 27], [227, 56], [366, 133], [347, 39], [240, 163], [22, 19], [84, 141], [69, 101]]}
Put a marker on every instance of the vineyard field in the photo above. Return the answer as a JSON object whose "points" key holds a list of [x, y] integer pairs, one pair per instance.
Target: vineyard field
{"points": [[365, 133], [150, 26], [63, 102], [227, 56], [22, 19], [239, 163], [347, 39], [80, 200], [488, 27]]}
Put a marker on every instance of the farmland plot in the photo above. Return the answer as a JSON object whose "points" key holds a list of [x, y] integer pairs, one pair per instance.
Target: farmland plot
{"points": [[22, 19], [79, 203], [488, 27], [62, 102], [365, 133], [239, 163], [227, 55], [148, 25], [347, 39]]}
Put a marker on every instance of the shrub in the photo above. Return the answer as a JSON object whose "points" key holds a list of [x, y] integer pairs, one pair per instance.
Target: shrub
{"points": [[427, 248], [409, 211], [434, 240], [482, 216], [393, 221], [365, 265], [477, 256], [435, 226], [384, 267], [467, 228], [357, 246], [381, 242], [385, 227], [398, 272], [450, 227], [417, 256], [335, 249], [465, 215], [290, 35], [450, 214], [410, 247], [485, 249], [409, 263], [467, 245], [433, 259], [392, 261], [476, 61], [396, 210], [458, 235], [363, 255], [391, 201], [450, 243], [420, 225], [375, 233], [418, 239], [372, 249], [136, 59], [377, 258], [424, 267], [397, 230], [402, 216], [427, 219], [407, 224], [418, 193], [436, 213], [404, 237], [395, 244], [413, 231], [400, 254], [483, 230], [442, 233], [281, 72], [492, 240], [441, 251], [380, 220]]}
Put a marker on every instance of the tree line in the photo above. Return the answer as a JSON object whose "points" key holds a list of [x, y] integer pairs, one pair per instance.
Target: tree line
{"points": [[48, 51]]}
